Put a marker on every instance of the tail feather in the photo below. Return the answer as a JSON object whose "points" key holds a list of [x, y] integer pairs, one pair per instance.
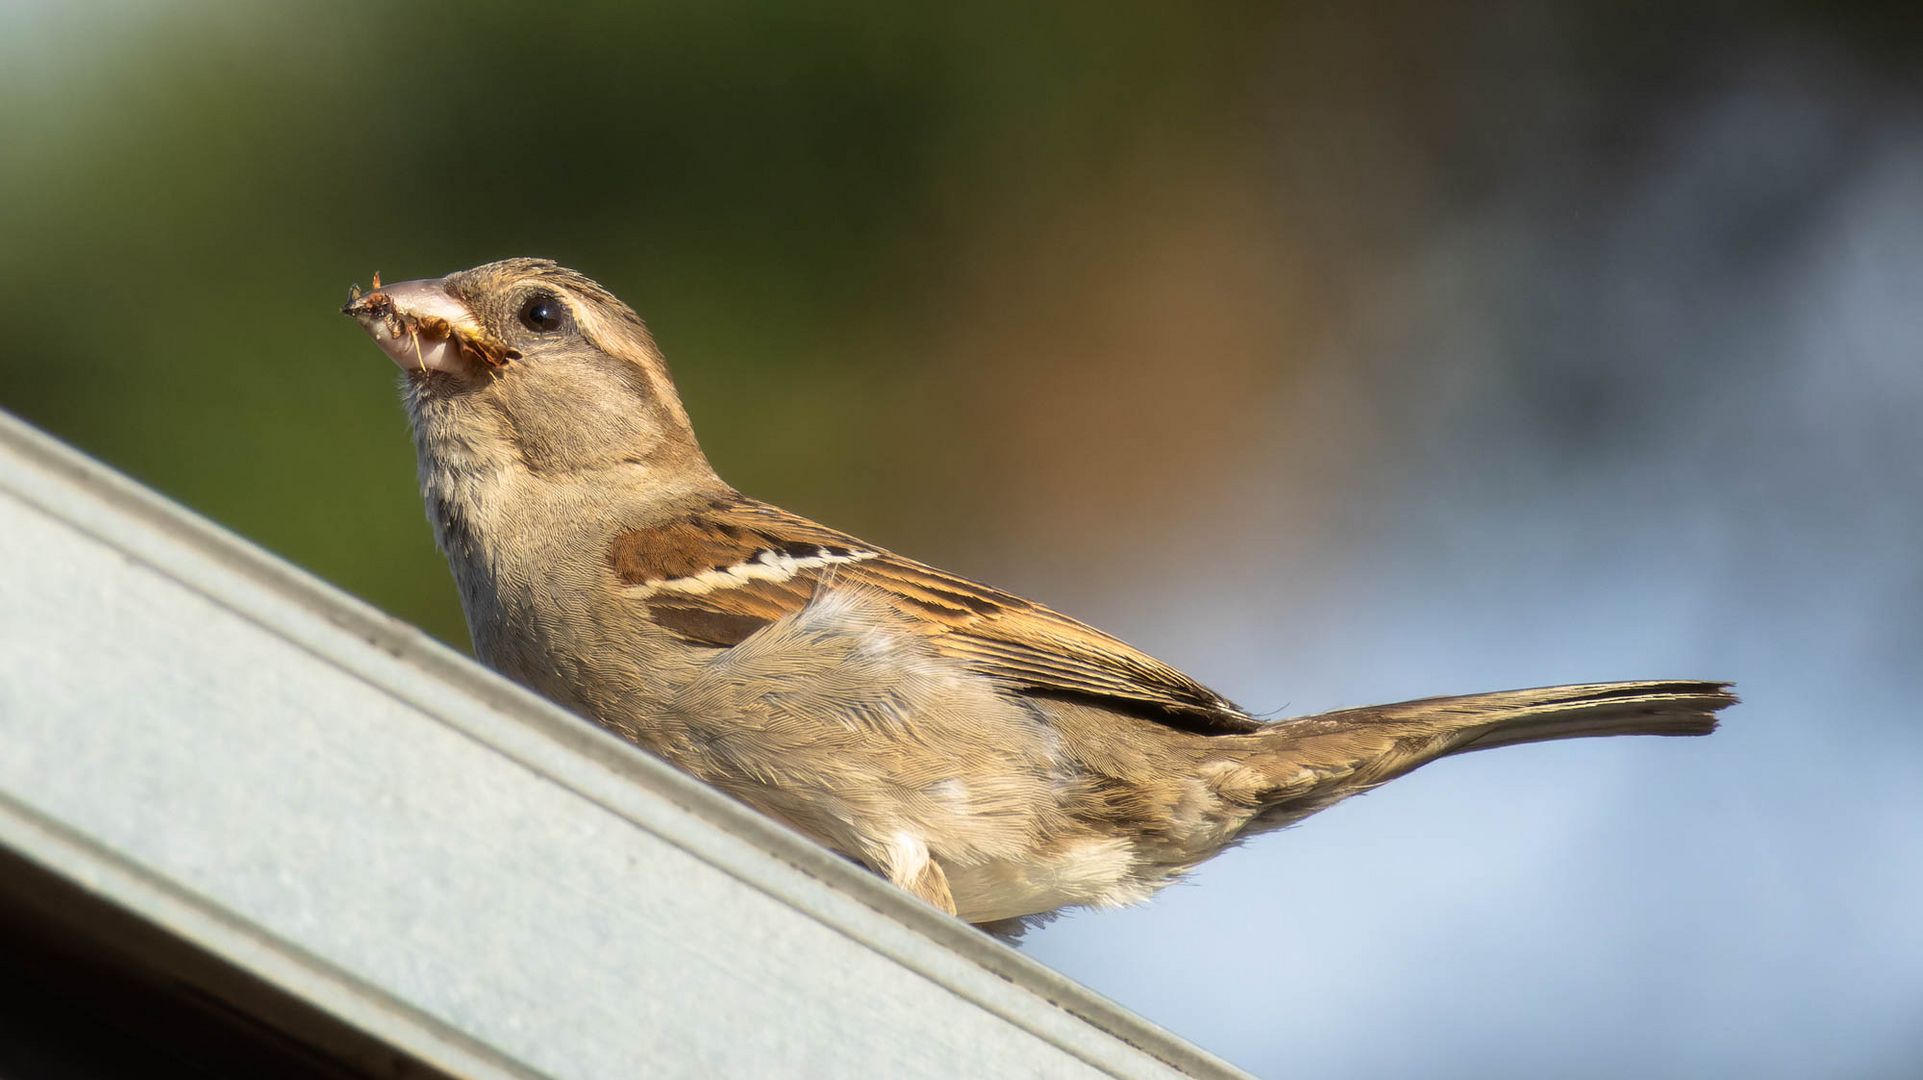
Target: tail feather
{"points": [[1316, 760], [1514, 717]]}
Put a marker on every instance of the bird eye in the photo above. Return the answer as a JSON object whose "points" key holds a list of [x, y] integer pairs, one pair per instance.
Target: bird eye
{"points": [[543, 314]]}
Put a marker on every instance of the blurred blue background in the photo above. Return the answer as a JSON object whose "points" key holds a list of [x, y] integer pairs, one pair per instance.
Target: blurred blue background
{"points": [[1338, 354]]}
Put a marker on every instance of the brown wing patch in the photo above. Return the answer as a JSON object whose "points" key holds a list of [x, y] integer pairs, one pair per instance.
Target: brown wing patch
{"points": [[689, 547], [679, 549], [1027, 647], [727, 616], [706, 626]]}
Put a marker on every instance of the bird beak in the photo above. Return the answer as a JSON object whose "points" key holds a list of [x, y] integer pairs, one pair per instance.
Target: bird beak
{"points": [[422, 327]]}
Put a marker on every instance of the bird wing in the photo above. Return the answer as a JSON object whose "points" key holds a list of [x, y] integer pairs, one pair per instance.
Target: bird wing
{"points": [[732, 566]]}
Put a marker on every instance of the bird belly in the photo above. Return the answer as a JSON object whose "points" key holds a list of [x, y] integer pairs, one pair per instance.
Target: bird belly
{"points": [[1102, 872]]}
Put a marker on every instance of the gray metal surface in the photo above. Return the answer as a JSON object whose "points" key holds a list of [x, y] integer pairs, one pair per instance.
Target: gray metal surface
{"points": [[328, 799]]}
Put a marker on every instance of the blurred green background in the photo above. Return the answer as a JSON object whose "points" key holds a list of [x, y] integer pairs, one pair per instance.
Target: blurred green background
{"points": [[821, 212], [1335, 353]]}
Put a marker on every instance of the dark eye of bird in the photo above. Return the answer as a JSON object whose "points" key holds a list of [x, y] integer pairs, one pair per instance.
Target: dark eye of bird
{"points": [[543, 314]]}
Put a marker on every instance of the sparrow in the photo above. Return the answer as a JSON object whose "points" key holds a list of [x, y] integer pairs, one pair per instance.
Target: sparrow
{"points": [[983, 752]]}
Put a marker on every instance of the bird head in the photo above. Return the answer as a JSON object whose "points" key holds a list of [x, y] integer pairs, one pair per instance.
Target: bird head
{"points": [[527, 357]]}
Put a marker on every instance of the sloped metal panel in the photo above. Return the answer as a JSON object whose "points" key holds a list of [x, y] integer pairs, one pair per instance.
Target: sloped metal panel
{"points": [[271, 771]]}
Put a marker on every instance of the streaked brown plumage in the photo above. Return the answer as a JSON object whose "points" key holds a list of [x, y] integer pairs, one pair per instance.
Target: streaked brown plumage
{"points": [[992, 756], [1005, 637]]}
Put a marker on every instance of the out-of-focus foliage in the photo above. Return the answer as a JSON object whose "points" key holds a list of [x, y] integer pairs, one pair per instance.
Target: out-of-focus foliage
{"points": [[792, 198]]}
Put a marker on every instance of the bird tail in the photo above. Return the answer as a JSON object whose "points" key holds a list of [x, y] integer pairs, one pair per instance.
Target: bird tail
{"points": [[1584, 711], [1317, 760]]}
